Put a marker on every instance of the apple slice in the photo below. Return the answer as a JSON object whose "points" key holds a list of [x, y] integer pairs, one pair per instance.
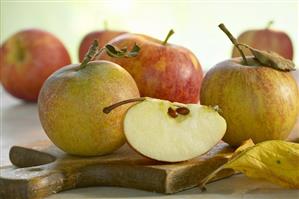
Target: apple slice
{"points": [[172, 132]]}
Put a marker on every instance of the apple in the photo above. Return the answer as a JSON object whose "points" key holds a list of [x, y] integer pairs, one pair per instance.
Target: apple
{"points": [[161, 70], [266, 39], [103, 38], [28, 58], [257, 101], [71, 101], [171, 132]]}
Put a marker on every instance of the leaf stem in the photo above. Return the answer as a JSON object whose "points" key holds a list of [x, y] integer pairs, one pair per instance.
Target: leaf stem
{"points": [[92, 52], [171, 32], [108, 109], [234, 41]]}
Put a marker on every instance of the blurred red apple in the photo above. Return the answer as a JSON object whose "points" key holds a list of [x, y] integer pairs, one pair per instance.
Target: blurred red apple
{"points": [[103, 38], [161, 70], [28, 58], [266, 39]]}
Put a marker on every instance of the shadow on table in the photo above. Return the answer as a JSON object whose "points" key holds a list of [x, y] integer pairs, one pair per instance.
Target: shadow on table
{"points": [[22, 116], [20, 124], [238, 186]]}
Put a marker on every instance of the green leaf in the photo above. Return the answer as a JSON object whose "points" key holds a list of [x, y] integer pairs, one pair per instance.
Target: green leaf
{"points": [[113, 51], [134, 52]]}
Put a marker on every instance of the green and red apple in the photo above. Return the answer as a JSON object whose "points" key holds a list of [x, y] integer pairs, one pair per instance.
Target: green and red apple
{"points": [[28, 58], [70, 107], [266, 39], [256, 100], [170, 131], [103, 38], [161, 70]]}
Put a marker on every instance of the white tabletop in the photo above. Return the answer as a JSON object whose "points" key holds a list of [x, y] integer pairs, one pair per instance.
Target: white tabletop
{"points": [[20, 125]]}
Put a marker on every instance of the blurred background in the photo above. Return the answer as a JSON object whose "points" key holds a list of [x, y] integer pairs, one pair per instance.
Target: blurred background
{"points": [[195, 22]]}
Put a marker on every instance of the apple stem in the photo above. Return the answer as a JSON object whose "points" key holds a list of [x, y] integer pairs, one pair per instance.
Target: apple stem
{"points": [[234, 41], [269, 24], [171, 32], [105, 25], [108, 109]]}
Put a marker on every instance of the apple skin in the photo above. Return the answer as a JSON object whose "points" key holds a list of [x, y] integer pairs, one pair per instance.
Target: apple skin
{"points": [[266, 39], [295, 132], [168, 72], [103, 38], [71, 106], [28, 58], [257, 102]]}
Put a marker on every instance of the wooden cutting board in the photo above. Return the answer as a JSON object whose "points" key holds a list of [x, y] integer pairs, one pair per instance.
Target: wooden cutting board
{"points": [[43, 169]]}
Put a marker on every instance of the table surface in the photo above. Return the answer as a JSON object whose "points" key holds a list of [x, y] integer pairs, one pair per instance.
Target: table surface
{"points": [[20, 125]]}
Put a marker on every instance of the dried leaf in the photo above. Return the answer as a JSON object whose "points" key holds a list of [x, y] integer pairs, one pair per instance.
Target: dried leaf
{"points": [[271, 59], [134, 52], [276, 161], [113, 51]]}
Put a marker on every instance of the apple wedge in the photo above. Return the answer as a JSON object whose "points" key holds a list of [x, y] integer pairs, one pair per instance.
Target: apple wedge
{"points": [[172, 132]]}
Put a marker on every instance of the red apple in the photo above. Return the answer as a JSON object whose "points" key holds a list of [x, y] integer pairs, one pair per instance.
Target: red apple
{"points": [[161, 70], [266, 39], [28, 58], [103, 38]]}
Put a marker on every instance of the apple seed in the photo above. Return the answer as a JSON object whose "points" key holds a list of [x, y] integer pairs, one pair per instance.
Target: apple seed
{"points": [[182, 111], [172, 113]]}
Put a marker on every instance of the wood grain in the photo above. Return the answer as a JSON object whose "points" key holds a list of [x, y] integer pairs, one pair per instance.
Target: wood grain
{"points": [[43, 169]]}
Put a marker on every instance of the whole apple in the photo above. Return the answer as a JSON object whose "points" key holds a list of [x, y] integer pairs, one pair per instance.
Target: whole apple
{"points": [[266, 39], [103, 38], [28, 58], [257, 101], [161, 70], [71, 105]]}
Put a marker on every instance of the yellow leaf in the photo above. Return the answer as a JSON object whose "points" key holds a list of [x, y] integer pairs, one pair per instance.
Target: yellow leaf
{"points": [[276, 161], [245, 145]]}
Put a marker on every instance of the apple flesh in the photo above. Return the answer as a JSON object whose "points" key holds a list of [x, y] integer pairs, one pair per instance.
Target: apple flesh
{"points": [[257, 102], [103, 38], [28, 58], [162, 71], [71, 102], [154, 133], [266, 39]]}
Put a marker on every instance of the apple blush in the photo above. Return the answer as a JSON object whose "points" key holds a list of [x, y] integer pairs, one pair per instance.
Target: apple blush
{"points": [[28, 58], [161, 70]]}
